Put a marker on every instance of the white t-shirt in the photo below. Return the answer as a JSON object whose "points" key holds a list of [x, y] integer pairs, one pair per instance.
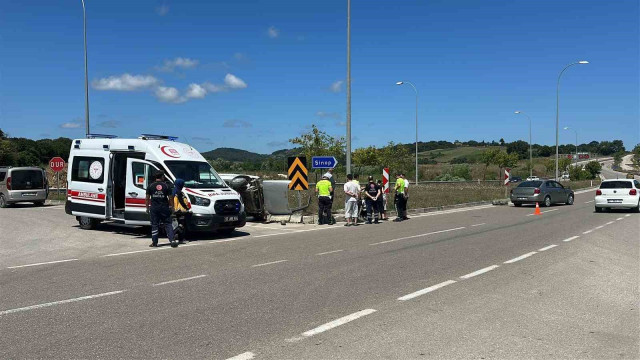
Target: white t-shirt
{"points": [[406, 186], [351, 187]]}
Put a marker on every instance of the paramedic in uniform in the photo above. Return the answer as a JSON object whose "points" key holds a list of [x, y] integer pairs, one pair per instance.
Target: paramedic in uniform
{"points": [[159, 202]]}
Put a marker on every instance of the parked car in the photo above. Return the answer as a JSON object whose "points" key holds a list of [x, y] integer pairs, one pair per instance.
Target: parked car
{"points": [[618, 194], [23, 184], [515, 179], [545, 192]]}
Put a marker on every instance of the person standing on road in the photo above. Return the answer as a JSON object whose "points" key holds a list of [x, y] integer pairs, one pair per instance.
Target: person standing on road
{"points": [[351, 190], [182, 211], [382, 202], [332, 179], [399, 199], [406, 196], [159, 203], [324, 190], [372, 192]]}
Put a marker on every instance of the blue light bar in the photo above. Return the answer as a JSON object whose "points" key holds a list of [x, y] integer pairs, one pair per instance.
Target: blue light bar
{"points": [[158, 137], [101, 136]]}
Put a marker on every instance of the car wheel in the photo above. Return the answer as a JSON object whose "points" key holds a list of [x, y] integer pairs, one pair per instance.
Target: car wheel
{"points": [[517, 204], [3, 201], [87, 223], [227, 231], [39, 203], [598, 210], [637, 208], [570, 199], [547, 201]]}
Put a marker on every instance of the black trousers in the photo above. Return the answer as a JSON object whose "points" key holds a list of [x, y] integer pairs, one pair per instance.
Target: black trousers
{"points": [[399, 203], [324, 209], [372, 209], [158, 216]]}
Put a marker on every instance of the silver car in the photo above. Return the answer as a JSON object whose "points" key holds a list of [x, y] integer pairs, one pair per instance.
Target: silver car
{"points": [[23, 184], [545, 192]]}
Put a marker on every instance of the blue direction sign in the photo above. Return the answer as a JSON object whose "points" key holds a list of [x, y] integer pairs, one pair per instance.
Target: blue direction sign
{"points": [[323, 162]]}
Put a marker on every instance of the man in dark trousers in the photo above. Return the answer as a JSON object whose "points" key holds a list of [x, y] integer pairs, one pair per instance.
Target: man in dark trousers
{"points": [[372, 192], [159, 203]]}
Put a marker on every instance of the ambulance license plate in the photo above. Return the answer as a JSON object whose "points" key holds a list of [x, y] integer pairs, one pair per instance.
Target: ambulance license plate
{"points": [[230, 218]]}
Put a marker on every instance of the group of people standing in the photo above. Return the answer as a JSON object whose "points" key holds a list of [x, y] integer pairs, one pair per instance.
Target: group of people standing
{"points": [[370, 197]]}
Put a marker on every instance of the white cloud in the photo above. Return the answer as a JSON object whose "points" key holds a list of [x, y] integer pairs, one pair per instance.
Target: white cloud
{"points": [[73, 124], [169, 95], [179, 62], [273, 32], [336, 87], [234, 82], [162, 10], [125, 82], [213, 87], [196, 91]]}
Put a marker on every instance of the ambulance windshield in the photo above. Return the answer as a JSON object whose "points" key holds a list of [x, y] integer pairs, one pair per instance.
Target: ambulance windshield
{"points": [[196, 174]]}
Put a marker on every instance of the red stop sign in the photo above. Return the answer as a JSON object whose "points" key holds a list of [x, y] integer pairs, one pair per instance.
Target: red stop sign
{"points": [[56, 164]]}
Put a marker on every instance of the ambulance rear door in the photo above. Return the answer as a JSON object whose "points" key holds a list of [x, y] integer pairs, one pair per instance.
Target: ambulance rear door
{"points": [[139, 176]]}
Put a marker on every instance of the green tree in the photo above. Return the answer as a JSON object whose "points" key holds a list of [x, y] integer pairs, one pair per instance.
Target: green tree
{"points": [[593, 168], [316, 142], [489, 157], [397, 158], [617, 158], [549, 166]]}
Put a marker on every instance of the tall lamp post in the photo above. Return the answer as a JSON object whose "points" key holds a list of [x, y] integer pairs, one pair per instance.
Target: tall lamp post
{"points": [[558, 107], [348, 86], [86, 72], [530, 151], [575, 131], [416, 90]]}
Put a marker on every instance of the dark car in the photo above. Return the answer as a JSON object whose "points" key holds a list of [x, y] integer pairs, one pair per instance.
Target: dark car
{"points": [[515, 179], [545, 192]]}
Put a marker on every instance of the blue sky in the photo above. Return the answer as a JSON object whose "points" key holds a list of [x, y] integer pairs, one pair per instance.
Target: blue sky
{"points": [[252, 74]]}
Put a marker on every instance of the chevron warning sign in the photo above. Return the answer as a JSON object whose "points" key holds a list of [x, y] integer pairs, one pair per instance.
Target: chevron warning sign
{"points": [[298, 173]]}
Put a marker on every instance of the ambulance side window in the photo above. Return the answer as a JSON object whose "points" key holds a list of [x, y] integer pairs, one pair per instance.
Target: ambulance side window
{"points": [[140, 174], [87, 169]]}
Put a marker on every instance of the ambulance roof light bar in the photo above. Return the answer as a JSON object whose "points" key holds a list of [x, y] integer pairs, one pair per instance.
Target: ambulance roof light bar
{"points": [[101, 136], [158, 137]]}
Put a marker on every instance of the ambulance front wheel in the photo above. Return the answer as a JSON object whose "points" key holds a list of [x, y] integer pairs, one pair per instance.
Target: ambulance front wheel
{"points": [[87, 223]]}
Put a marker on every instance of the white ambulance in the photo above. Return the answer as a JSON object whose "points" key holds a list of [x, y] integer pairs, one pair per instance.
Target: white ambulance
{"points": [[108, 177]]}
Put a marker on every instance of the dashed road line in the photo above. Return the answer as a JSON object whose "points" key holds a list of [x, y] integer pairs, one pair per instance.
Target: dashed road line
{"points": [[329, 252], [547, 247], [244, 356], [269, 263], [520, 257], [42, 263], [420, 235], [452, 211], [137, 251], [610, 222], [333, 324], [627, 215], [544, 212], [587, 232], [620, 218], [426, 290], [571, 238], [479, 272], [598, 227], [39, 306], [474, 225], [588, 202], [179, 280]]}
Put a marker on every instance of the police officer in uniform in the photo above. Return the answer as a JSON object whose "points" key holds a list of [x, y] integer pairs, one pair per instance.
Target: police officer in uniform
{"points": [[159, 203], [324, 190]]}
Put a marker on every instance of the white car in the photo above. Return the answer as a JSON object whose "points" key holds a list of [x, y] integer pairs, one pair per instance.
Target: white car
{"points": [[618, 194], [533, 178]]}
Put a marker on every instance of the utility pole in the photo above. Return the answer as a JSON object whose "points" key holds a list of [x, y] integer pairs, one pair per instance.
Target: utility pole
{"points": [[348, 86]]}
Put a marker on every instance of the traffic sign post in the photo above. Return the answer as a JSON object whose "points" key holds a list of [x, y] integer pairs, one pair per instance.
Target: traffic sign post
{"points": [[298, 173], [57, 164], [385, 180], [507, 175], [323, 162]]}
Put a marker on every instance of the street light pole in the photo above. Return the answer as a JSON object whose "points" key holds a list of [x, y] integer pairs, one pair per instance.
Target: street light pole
{"points": [[558, 108], [348, 86], [530, 151], [575, 131], [416, 90], [86, 73]]}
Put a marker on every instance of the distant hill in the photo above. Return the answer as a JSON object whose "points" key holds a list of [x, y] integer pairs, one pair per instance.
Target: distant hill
{"points": [[231, 154]]}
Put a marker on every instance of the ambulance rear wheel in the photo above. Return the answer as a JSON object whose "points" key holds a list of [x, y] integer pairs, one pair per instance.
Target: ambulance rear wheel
{"points": [[87, 223]]}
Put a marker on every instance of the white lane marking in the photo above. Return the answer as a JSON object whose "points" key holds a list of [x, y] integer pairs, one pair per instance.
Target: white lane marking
{"points": [[520, 257], [137, 251], [474, 225], [298, 231], [547, 247], [333, 324], [42, 263], [33, 307], [590, 201], [627, 215], [610, 222], [179, 280], [269, 263], [271, 228], [189, 244], [571, 238], [420, 235], [544, 212], [452, 211], [329, 252], [479, 272], [620, 218], [426, 290], [598, 227], [587, 232], [244, 356]]}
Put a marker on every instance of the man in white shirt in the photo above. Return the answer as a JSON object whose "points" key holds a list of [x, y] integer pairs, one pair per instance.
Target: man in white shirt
{"points": [[406, 196], [351, 191]]}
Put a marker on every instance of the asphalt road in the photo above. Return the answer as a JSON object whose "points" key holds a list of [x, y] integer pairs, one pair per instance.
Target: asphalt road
{"points": [[485, 282]]}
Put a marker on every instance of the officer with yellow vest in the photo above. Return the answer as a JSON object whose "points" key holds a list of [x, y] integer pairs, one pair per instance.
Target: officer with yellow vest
{"points": [[324, 190]]}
